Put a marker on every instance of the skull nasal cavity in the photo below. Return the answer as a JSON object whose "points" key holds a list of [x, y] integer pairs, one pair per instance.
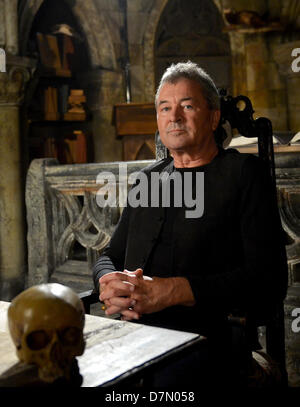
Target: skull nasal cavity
{"points": [[56, 354], [37, 340]]}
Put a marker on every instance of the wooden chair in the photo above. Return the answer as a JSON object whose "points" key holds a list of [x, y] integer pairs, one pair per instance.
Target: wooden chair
{"points": [[261, 128]]}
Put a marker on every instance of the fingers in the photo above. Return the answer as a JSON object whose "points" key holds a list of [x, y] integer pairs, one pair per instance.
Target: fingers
{"points": [[119, 305], [119, 276], [128, 315], [116, 291], [122, 303], [101, 289], [137, 273], [116, 288], [110, 276]]}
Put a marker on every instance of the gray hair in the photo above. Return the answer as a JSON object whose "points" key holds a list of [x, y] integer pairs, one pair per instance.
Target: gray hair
{"points": [[192, 71]]}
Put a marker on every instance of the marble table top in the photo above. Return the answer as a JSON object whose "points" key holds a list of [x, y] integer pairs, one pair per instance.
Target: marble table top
{"points": [[114, 349]]}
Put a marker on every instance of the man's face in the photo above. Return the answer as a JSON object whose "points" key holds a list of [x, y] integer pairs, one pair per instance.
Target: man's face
{"points": [[185, 123]]}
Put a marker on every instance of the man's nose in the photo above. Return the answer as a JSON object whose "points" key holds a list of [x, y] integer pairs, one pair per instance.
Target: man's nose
{"points": [[175, 114]]}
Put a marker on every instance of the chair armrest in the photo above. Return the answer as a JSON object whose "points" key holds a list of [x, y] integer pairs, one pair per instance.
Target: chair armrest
{"points": [[88, 297]]}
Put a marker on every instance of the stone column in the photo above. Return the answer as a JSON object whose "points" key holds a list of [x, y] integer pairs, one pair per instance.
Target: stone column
{"points": [[2, 24], [266, 89], [283, 57], [12, 210], [11, 26], [239, 69], [137, 16]]}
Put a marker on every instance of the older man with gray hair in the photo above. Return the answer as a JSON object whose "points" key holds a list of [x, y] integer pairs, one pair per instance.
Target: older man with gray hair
{"points": [[165, 269]]}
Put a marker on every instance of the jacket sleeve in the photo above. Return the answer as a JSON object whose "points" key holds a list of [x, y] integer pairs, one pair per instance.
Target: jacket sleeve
{"points": [[113, 256], [260, 282]]}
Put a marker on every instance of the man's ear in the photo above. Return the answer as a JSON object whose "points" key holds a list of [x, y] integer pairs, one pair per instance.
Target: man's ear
{"points": [[215, 118]]}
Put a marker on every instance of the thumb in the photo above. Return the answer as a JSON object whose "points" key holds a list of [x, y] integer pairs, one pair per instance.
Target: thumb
{"points": [[136, 273], [139, 272]]}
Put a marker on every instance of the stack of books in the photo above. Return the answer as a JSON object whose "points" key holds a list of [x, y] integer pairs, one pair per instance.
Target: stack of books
{"points": [[76, 109]]}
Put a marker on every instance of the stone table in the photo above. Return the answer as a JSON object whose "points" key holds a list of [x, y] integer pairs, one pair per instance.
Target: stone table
{"points": [[115, 350]]}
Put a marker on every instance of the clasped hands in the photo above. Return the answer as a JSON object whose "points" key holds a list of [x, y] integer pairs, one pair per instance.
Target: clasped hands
{"points": [[129, 293], [132, 294]]}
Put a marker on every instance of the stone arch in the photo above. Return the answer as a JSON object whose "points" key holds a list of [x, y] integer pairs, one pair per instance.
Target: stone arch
{"points": [[26, 13], [97, 34], [149, 45], [93, 25]]}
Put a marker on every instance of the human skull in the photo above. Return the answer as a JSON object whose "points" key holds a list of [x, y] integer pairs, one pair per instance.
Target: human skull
{"points": [[46, 324]]}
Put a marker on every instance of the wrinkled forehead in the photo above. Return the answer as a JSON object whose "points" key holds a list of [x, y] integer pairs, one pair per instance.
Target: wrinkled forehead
{"points": [[181, 88]]}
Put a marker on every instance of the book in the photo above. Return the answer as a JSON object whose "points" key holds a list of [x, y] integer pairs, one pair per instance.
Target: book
{"points": [[50, 148], [81, 147], [51, 105], [63, 93], [68, 52], [49, 52], [73, 149], [50, 55], [241, 141], [282, 138], [70, 150]]}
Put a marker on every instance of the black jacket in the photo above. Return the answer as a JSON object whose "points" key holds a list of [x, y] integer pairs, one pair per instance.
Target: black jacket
{"points": [[233, 256]]}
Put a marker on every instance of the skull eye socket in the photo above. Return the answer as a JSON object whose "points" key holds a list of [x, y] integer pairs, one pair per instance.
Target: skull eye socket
{"points": [[70, 336], [37, 340]]}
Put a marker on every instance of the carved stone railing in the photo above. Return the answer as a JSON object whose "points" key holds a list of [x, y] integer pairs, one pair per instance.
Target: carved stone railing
{"points": [[67, 230]]}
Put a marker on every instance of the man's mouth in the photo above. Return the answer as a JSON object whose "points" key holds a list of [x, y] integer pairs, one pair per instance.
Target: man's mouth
{"points": [[175, 131]]}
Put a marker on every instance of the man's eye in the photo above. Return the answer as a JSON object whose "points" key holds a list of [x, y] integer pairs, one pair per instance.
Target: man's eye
{"points": [[188, 107], [165, 109]]}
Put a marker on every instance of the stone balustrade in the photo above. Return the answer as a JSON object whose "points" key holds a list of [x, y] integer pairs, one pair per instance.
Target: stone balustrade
{"points": [[62, 215]]}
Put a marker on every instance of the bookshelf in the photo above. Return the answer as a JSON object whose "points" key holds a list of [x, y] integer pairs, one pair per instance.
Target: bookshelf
{"points": [[57, 116]]}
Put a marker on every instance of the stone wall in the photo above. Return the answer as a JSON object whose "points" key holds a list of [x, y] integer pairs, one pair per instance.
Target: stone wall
{"points": [[255, 69], [252, 64]]}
